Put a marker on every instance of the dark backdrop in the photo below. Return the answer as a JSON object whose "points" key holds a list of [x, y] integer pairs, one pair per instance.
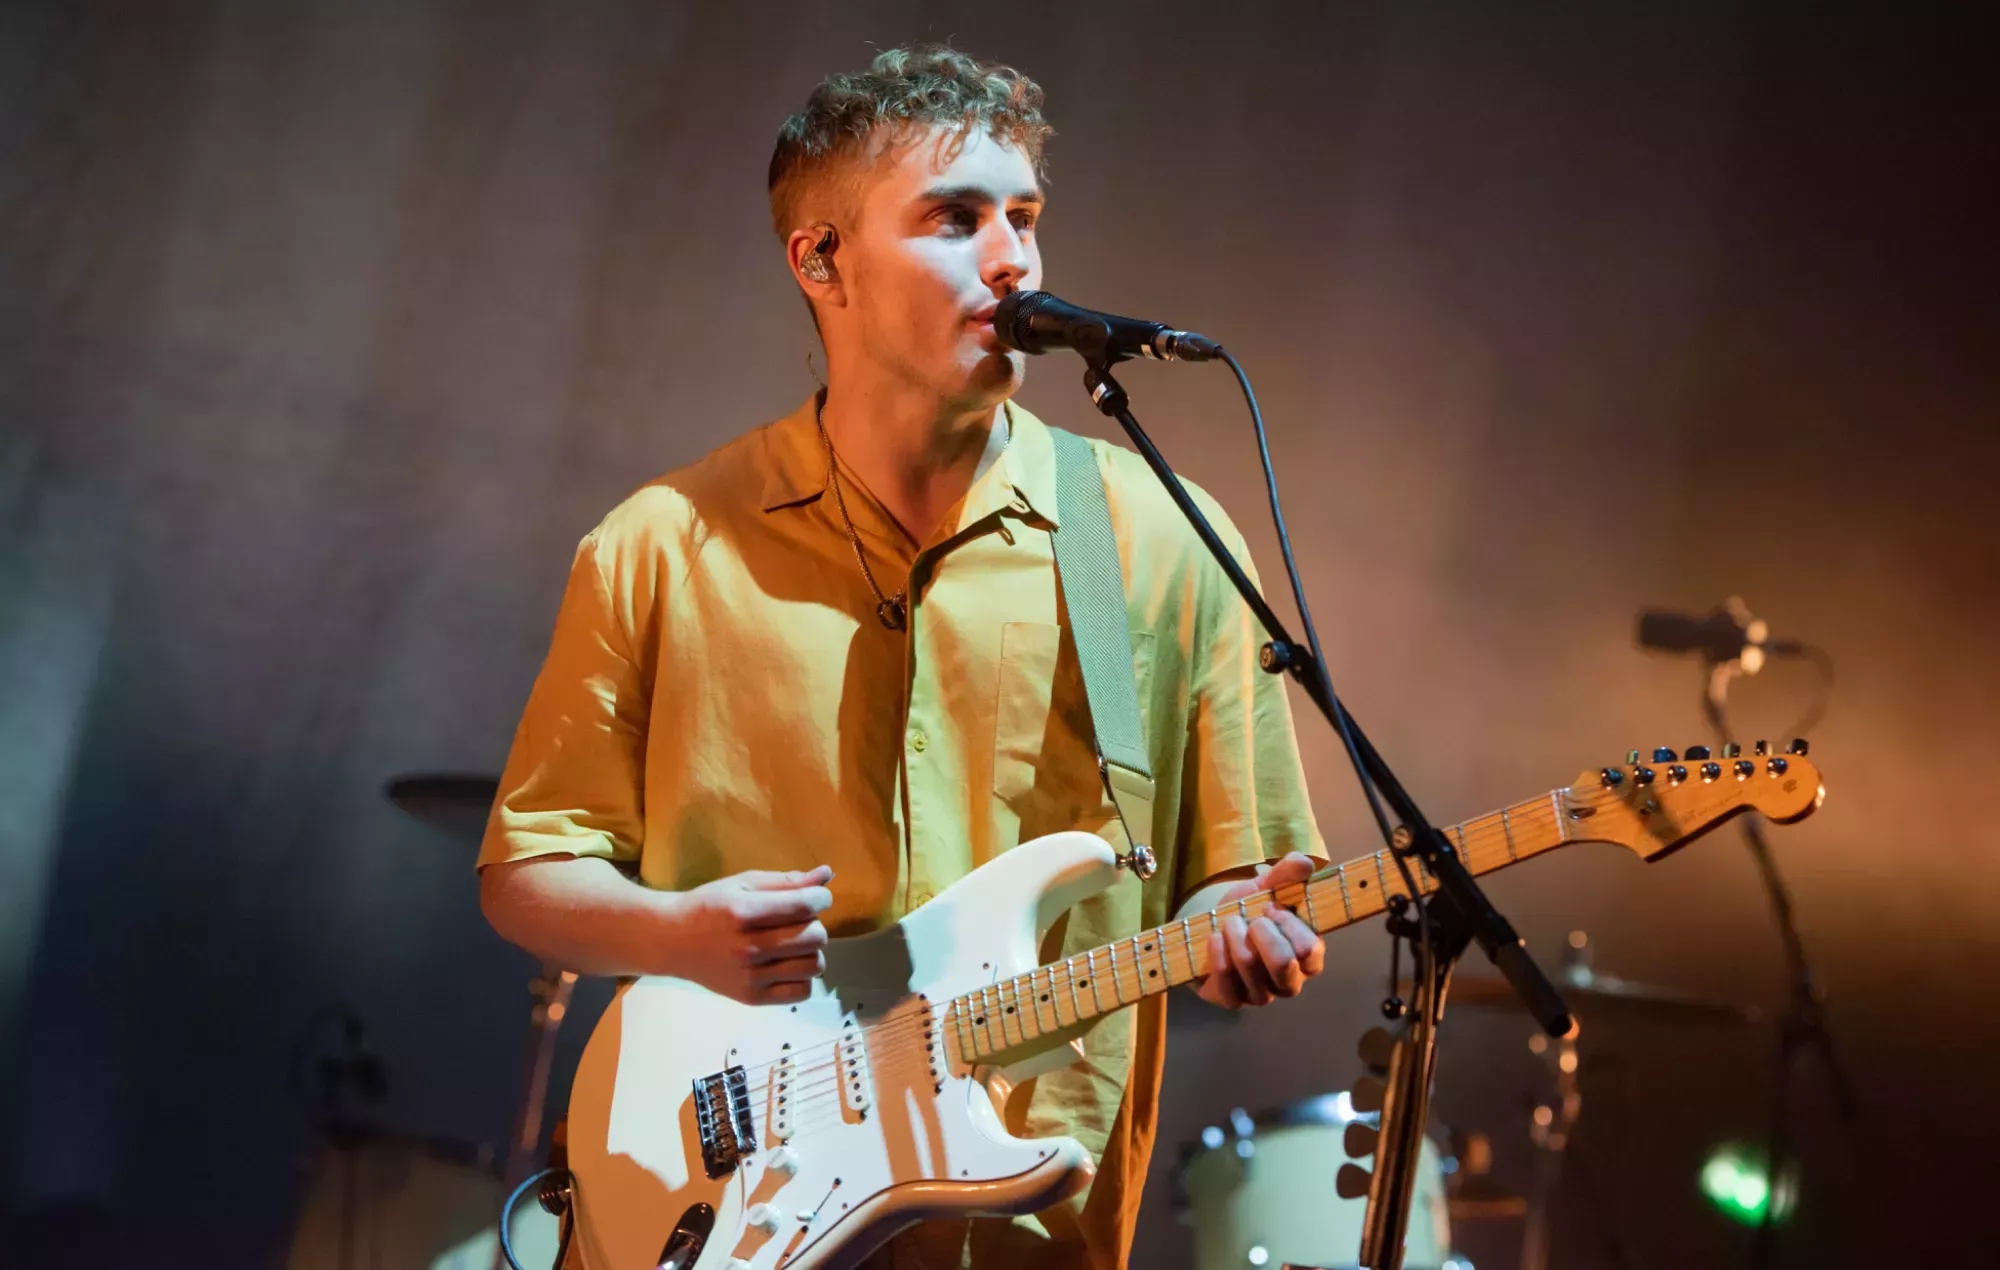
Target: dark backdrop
{"points": [[327, 329]]}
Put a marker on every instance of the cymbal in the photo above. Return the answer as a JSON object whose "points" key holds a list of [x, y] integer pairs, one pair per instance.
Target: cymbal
{"points": [[456, 802], [1590, 993]]}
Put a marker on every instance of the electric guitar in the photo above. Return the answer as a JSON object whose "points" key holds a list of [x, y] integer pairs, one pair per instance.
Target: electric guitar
{"points": [[709, 1135]]}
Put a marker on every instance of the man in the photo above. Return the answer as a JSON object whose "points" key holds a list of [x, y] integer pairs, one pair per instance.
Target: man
{"points": [[803, 685]]}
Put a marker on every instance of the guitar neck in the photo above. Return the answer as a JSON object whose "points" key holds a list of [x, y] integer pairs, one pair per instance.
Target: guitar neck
{"points": [[1014, 1012]]}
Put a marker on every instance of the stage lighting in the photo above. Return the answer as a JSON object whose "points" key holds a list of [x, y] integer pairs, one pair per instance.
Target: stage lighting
{"points": [[1737, 1181]]}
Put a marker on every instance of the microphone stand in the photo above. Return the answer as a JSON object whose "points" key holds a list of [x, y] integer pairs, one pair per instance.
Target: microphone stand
{"points": [[1803, 1025], [1458, 912]]}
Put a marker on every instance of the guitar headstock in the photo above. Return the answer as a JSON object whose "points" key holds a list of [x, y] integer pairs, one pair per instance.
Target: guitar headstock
{"points": [[1654, 805]]}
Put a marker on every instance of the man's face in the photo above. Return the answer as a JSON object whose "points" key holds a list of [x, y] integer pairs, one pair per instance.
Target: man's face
{"points": [[941, 238]]}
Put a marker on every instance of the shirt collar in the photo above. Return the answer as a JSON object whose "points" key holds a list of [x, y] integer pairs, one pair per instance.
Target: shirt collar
{"points": [[794, 458], [795, 463]]}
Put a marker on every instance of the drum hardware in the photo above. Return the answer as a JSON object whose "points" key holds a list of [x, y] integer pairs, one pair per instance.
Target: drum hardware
{"points": [[1471, 1194], [1552, 1124], [458, 804]]}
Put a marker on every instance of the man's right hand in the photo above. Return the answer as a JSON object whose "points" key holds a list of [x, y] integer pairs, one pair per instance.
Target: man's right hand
{"points": [[756, 936]]}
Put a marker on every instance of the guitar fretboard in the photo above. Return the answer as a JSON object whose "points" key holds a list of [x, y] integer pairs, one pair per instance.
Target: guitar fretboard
{"points": [[1013, 1012]]}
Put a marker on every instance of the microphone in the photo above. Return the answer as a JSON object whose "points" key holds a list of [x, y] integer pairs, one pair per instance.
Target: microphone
{"points": [[1035, 322], [1729, 633]]}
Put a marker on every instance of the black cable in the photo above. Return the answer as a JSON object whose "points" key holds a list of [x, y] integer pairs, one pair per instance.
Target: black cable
{"points": [[1340, 717], [507, 1219], [1823, 662], [566, 1228]]}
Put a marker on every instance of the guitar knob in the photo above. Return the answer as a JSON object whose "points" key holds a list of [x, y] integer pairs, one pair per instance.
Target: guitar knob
{"points": [[784, 1162], [1695, 752], [1663, 755], [764, 1217]]}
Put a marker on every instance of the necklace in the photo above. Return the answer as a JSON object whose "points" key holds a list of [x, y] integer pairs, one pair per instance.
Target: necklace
{"points": [[891, 610]]}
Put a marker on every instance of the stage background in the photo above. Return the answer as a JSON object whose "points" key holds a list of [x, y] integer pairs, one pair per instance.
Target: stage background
{"points": [[327, 329]]}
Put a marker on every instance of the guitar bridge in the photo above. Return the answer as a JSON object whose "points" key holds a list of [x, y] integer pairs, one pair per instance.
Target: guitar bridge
{"points": [[722, 1117]]}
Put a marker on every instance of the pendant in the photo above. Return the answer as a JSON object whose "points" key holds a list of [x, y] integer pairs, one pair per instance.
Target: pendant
{"points": [[891, 612]]}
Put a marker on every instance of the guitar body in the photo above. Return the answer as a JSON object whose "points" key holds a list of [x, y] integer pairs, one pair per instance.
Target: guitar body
{"points": [[802, 1137]]}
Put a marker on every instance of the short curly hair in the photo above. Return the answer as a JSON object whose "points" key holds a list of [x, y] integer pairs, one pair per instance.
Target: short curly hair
{"points": [[903, 87]]}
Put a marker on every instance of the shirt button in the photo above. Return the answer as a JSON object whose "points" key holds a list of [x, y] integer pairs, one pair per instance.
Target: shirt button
{"points": [[921, 898], [918, 741]]}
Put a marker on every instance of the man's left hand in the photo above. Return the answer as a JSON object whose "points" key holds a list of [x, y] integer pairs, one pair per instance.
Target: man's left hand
{"points": [[1269, 956]]}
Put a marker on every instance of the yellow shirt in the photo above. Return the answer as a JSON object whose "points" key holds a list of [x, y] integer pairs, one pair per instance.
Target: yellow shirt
{"points": [[719, 695]]}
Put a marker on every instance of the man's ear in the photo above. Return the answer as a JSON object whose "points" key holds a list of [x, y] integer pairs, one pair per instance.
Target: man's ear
{"points": [[810, 251]]}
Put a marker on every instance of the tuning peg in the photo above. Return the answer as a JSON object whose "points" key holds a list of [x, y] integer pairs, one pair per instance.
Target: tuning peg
{"points": [[1694, 752], [1631, 758], [1661, 754], [1709, 771], [1761, 748], [1643, 776], [1798, 746], [1376, 1049], [1351, 1182], [1367, 1095], [1732, 750], [1677, 773], [1745, 769], [1611, 777], [1359, 1139]]}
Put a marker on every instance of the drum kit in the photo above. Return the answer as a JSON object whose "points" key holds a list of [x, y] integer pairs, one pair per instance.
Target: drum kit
{"points": [[378, 1198], [1259, 1192]]}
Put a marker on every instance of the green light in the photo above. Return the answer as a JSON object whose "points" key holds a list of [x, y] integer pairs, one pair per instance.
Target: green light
{"points": [[1737, 1182]]}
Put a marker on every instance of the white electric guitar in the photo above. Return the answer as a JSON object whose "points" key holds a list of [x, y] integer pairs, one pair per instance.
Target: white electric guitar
{"points": [[709, 1135]]}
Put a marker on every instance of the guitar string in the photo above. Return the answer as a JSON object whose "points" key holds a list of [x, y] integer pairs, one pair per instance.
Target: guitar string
{"points": [[1533, 810], [808, 1085], [810, 1094], [981, 1032]]}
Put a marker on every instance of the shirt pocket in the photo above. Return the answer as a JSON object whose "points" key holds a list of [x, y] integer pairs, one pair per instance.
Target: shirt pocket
{"points": [[1044, 761]]}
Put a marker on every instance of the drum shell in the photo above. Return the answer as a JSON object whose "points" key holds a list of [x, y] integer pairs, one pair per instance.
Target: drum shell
{"points": [[1274, 1190], [392, 1200]]}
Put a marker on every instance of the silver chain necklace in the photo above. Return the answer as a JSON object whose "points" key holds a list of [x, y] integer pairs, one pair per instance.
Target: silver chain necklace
{"points": [[891, 610]]}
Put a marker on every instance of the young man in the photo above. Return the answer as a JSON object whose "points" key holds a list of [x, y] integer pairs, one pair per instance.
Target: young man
{"points": [[803, 685]]}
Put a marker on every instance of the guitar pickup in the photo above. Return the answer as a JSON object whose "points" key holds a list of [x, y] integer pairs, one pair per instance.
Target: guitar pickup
{"points": [[722, 1117]]}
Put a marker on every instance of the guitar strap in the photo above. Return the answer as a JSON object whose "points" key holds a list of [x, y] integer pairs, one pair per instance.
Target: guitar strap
{"points": [[1093, 589]]}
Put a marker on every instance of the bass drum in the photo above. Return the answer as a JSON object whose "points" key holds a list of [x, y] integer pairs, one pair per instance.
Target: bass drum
{"points": [[1260, 1193]]}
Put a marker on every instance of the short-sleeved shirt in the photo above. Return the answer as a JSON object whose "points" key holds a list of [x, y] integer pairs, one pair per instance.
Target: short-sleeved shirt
{"points": [[720, 695]]}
